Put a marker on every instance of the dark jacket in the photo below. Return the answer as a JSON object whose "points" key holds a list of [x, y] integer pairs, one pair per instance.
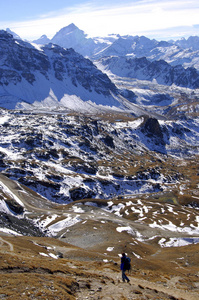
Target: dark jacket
{"points": [[124, 264]]}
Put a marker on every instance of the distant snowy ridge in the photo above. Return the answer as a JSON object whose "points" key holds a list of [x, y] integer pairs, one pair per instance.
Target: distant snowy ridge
{"points": [[143, 69]]}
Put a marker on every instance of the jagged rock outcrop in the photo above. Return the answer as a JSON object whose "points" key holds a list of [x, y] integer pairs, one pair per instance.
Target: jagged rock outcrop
{"points": [[152, 128]]}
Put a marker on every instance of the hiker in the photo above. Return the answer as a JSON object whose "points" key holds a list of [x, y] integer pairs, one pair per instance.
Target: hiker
{"points": [[125, 265]]}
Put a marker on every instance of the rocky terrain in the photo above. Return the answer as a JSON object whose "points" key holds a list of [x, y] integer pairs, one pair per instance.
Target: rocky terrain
{"points": [[67, 157], [78, 190]]}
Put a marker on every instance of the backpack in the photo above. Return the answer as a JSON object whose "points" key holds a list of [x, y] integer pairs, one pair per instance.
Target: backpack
{"points": [[128, 263]]}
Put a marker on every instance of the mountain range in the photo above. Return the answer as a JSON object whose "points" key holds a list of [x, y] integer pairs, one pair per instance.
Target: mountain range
{"points": [[57, 76], [184, 51], [51, 75], [144, 69]]}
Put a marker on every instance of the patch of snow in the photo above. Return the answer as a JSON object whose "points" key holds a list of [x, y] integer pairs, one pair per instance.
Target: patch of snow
{"points": [[197, 220], [116, 209], [110, 249], [67, 222], [48, 220], [43, 254], [138, 211], [125, 228], [11, 153], [53, 255], [4, 208], [7, 191], [171, 227], [136, 255], [129, 203], [170, 209], [4, 119], [77, 209], [9, 231]]}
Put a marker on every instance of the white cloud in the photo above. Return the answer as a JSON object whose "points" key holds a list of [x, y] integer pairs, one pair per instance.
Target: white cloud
{"points": [[149, 17]]}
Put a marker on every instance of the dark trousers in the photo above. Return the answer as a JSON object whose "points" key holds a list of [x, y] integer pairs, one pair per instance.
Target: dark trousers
{"points": [[124, 277]]}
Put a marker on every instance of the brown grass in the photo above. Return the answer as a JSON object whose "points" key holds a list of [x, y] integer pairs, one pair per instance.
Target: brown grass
{"points": [[25, 273], [36, 286]]}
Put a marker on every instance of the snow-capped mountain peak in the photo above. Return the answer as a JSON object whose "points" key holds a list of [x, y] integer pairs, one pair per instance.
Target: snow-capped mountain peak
{"points": [[15, 35], [42, 40], [72, 37]]}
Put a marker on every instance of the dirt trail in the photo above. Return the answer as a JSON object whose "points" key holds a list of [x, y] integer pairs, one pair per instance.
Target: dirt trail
{"points": [[2, 241], [115, 289]]}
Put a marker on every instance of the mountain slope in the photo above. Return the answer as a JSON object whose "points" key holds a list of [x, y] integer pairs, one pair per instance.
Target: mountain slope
{"points": [[160, 238], [79, 188], [15, 35], [160, 222], [53, 75], [72, 37], [143, 69], [69, 157]]}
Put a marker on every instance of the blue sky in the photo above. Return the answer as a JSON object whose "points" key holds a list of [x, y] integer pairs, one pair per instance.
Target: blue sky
{"points": [[165, 19]]}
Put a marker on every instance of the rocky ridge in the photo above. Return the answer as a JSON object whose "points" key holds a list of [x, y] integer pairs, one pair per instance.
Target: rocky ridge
{"points": [[143, 69]]}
